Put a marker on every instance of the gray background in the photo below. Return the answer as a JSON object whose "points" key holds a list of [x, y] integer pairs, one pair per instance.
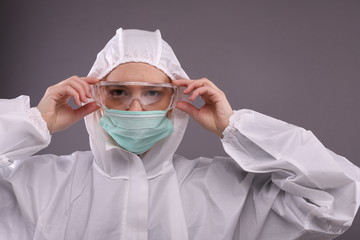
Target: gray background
{"points": [[294, 60]]}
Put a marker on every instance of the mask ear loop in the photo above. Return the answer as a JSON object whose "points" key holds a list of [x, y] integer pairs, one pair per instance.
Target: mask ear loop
{"points": [[174, 100]]}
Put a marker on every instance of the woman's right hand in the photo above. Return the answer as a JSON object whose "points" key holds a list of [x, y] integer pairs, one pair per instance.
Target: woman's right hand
{"points": [[54, 107]]}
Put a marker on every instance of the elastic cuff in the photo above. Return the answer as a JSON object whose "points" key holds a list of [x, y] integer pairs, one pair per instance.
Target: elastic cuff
{"points": [[39, 122], [230, 129]]}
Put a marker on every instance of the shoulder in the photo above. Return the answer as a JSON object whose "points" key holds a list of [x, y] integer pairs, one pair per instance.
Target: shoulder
{"points": [[45, 177], [47, 184], [49, 166]]}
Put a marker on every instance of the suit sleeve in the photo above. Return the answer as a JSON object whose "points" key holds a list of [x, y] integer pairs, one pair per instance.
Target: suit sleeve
{"points": [[302, 190], [23, 132]]}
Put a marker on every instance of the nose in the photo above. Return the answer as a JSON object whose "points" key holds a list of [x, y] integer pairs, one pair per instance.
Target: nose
{"points": [[135, 105]]}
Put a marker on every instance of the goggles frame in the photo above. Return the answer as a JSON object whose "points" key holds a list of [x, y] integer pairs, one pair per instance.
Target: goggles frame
{"points": [[99, 98]]}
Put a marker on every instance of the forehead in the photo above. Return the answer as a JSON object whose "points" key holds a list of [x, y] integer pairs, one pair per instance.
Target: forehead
{"points": [[137, 72]]}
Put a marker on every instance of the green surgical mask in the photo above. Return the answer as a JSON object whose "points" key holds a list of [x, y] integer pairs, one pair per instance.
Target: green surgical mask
{"points": [[136, 131]]}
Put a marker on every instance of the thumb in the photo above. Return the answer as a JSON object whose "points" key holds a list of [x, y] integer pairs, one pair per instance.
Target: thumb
{"points": [[188, 108], [81, 112]]}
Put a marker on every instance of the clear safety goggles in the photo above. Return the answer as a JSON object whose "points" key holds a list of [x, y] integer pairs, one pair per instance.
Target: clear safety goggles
{"points": [[121, 95]]}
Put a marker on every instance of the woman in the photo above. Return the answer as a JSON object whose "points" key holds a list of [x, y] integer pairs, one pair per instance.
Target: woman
{"points": [[278, 182]]}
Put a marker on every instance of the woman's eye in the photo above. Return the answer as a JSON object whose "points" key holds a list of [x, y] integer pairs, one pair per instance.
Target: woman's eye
{"points": [[118, 92], [153, 93]]}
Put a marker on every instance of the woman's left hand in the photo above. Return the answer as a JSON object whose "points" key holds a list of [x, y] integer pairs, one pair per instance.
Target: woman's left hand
{"points": [[215, 113]]}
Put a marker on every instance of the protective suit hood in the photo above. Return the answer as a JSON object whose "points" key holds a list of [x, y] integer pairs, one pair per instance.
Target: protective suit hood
{"points": [[145, 47]]}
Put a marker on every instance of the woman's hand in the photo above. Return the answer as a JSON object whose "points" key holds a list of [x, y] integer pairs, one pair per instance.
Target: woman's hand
{"points": [[54, 106], [215, 113]]}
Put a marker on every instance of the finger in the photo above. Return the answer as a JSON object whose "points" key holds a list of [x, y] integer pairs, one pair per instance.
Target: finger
{"points": [[64, 92], [79, 85], [188, 84], [80, 89], [84, 81], [200, 83], [188, 108], [72, 78], [90, 80], [60, 93], [85, 85], [182, 82], [191, 85], [208, 83], [201, 91], [85, 110]]}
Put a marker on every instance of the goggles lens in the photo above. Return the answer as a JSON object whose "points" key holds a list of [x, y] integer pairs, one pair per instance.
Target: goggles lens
{"points": [[120, 95]]}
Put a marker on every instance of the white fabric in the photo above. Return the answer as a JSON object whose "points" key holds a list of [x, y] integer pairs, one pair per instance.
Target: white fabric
{"points": [[133, 45], [278, 182]]}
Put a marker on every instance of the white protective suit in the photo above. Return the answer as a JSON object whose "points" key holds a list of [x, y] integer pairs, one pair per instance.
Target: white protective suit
{"points": [[278, 182]]}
